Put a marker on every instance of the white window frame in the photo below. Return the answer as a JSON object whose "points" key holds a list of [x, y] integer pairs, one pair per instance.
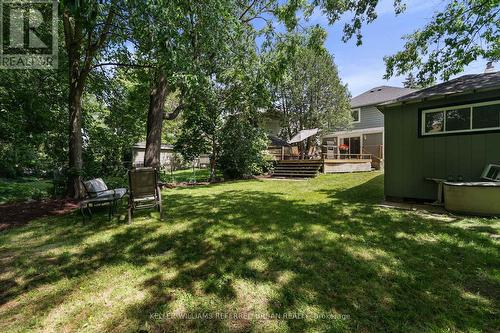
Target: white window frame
{"points": [[455, 107], [359, 115]]}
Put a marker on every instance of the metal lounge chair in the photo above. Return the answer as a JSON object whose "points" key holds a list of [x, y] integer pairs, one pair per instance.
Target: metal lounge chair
{"points": [[144, 191]]}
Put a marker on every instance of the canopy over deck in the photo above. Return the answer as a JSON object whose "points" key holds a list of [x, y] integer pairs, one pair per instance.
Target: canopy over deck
{"points": [[302, 135]]}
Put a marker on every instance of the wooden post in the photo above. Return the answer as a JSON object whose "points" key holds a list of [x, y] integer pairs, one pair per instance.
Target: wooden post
{"points": [[282, 153]]}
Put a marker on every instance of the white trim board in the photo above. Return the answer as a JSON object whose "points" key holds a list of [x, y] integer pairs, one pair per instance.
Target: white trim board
{"points": [[444, 109], [357, 131], [359, 115]]}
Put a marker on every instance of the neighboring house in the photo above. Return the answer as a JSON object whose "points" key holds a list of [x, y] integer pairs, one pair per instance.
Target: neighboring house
{"points": [[166, 156], [138, 150], [271, 122], [366, 134], [448, 131]]}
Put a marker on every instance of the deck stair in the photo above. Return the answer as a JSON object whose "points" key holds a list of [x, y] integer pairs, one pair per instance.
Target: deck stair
{"points": [[297, 168]]}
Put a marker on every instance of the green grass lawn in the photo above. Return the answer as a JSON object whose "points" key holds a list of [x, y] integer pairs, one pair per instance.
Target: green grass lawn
{"points": [[22, 189], [178, 176], [187, 175], [239, 256]]}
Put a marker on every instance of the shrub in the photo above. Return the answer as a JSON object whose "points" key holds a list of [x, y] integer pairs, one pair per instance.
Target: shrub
{"points": [[242, 149]]}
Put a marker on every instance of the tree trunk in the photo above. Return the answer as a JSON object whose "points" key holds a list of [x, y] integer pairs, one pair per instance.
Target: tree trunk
{"points": [[155, 122], [213, 160], [78, 72], [75, 189], [212, 168], [302, 149], [307, 146]]}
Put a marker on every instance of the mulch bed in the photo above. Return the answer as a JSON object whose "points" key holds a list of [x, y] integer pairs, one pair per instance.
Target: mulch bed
{"points": [[18, 214], [183, 184]]}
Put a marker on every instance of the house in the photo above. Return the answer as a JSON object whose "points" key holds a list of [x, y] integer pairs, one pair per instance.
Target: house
{"points": [[448, 131], [271, 121], [366, 133]]}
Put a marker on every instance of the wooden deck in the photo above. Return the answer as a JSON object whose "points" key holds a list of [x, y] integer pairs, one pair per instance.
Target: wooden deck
{"points": [[310, 168], [298, 168], [347, 160], [289, 165], [347, 165]]}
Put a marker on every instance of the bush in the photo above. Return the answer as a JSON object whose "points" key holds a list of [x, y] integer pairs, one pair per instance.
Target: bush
{"points": [[242, 149], [23, 189]]}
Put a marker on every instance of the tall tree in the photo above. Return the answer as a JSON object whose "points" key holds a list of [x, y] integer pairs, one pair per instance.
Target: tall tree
{"points": [[188, 36], [33, 113], [87, 26], [181, 41], [311, 95], [236, 89], [202, 121], [114, 118], [463, 31], [410, 81]]}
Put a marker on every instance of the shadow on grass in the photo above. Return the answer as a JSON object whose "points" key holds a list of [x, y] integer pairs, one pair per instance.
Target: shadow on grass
{"points": [[387, 270]]}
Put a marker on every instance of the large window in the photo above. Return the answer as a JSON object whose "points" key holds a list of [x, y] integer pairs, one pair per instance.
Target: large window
{"points": [[486, 116], [463, 118], [434, 122], [356, 115]]}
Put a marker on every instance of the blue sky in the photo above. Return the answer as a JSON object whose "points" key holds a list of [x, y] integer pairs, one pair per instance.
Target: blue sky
{"points": [[362, 67]]}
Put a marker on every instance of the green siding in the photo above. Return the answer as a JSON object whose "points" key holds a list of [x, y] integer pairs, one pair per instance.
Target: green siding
{"points": [[409, 159]]}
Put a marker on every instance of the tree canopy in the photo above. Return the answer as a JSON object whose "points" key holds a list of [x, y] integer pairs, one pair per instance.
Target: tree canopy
{"points": [[210, 69], [310, 94], [463, 31]]}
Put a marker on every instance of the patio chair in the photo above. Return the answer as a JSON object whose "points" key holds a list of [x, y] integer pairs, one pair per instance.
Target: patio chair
{"points": [[144, 191], [97, 193]]}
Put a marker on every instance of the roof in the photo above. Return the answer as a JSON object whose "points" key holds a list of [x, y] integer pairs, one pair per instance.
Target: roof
{"points": [[379, 95], [463, 84], [142, 145], [277, 142]]}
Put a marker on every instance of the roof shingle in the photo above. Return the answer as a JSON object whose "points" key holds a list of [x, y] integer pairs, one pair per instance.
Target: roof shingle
{"points": [[461, 84], [378, 95]]}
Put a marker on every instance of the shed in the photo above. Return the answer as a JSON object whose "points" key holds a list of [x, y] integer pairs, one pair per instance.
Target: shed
{"points": [[448, 131], [139, 149], [167, 157]]}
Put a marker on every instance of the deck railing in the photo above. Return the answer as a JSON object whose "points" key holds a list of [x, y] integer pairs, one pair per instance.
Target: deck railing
{"points": [[282, 154], [341, 156]]}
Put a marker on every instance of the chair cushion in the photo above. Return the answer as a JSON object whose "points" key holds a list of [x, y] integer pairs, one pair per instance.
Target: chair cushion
{"points": [[106, 193], [120, 192], [95, 187]]}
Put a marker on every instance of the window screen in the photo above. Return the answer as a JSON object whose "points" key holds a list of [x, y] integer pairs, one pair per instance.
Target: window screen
{"points": [[434, 122], [486, 116], [458, 119]]}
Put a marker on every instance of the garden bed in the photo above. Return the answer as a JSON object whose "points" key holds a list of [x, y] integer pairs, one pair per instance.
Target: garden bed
{"points": [[20, 213]]}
